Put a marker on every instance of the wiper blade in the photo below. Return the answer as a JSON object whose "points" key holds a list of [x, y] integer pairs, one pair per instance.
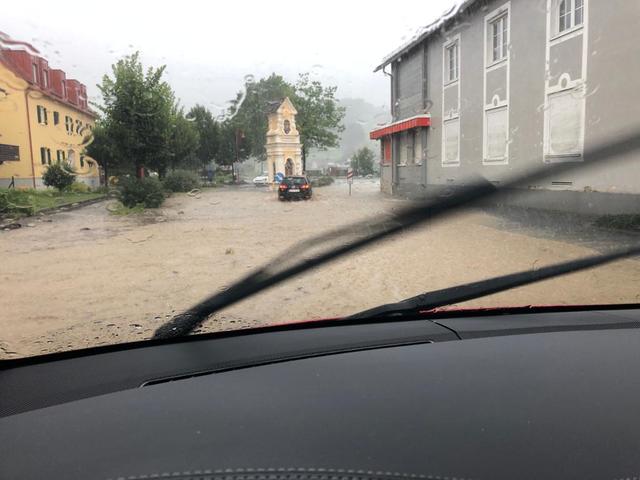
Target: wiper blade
{"points": [[312, 253], [482, 288]]}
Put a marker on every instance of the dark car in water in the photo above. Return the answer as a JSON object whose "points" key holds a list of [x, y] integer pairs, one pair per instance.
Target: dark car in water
{"points": [[294, 188]]}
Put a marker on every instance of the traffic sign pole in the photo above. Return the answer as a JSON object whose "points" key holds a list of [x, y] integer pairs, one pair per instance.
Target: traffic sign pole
{"points": [[350, 178]]}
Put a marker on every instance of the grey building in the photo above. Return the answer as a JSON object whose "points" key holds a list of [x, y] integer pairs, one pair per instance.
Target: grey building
{"points": [[495, 88]]}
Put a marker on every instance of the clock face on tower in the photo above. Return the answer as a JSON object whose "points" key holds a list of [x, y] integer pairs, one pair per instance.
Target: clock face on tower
{"points": [[287, 126]]}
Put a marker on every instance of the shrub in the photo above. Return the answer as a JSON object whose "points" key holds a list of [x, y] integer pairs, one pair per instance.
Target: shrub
{"points": [[181, 181], [79, 187], [147, 192], [58, 177], [322, 181]]}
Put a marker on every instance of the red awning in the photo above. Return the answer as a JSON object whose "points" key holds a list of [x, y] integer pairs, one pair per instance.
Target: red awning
{"points": [[407, 124]]}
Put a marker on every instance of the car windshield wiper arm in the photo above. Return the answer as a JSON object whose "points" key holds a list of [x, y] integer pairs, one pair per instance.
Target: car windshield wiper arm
{"points": [[312, 253], [482, 288]]}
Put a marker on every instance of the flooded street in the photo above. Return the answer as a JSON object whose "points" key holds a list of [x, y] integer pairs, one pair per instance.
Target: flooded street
{"points": [[87, 277]]}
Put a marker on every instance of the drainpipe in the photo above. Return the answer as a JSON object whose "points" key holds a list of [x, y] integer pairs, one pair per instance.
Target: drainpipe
{"points": [[393, 117], [33, 168]]}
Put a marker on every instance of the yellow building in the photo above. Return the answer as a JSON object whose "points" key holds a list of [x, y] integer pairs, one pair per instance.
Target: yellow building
{"points": [[44, 118], [284, 150]]}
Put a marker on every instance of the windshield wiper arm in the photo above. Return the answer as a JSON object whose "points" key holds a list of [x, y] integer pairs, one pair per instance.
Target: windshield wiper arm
{"points": [[482, 288], [363, 233]]}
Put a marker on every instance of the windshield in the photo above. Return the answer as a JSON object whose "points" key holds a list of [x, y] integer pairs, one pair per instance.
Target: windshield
{"points": [[140, 171]]}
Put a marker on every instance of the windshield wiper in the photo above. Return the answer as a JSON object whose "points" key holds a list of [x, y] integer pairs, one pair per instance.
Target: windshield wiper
{"points": [[312, 253], [482, 288]]}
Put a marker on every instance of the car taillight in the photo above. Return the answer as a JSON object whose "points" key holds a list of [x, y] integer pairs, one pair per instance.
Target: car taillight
{"points": [[283, 187], [304, 186]]}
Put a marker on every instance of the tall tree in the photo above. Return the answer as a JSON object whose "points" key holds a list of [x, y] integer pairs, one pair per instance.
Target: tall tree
{"points": [[362, 161], [319, 117], [183, 142], [102, 149], [248, 112], [137, 107], [208, 133]]}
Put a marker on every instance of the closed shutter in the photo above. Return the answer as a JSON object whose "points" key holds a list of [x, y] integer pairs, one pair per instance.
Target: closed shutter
{"points": [[9, 153], [451, 154], [497, 134], [565, 124]]}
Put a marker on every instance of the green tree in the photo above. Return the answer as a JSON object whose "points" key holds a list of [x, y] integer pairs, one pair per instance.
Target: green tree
{"points": [[184, 141], [137, 109], [101, 147], [208, 132], [59, 177], [362, 161], [319, 118], [248, 113]]}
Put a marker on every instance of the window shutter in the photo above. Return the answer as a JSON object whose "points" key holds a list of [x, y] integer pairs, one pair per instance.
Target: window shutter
{"points": [[451, 136], [565, 126], [497, 124]]}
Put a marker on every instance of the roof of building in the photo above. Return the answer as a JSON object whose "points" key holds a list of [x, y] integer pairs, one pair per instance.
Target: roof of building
{"points": [[425, 32], [273, 106], [14, 53]]}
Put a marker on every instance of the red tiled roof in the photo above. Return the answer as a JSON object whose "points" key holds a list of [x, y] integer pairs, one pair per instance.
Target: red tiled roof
{"points": [[21, 63]]}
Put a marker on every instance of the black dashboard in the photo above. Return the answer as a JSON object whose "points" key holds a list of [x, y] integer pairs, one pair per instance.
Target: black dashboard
{"points": [[529, 395]]}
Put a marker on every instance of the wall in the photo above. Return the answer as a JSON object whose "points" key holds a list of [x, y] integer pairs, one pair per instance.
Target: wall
{"points": [[55, 137], [14, 128], [612, 75]]}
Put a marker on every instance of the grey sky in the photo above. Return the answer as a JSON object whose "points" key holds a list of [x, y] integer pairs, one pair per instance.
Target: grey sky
{"points": [[209, 47]]}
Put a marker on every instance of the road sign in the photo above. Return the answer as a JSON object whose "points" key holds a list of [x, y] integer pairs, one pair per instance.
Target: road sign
{"points": [[350, 178], [350, 175], [279, 177]]}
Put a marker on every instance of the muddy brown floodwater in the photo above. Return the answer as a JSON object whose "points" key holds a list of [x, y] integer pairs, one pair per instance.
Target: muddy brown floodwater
{"points": [[86, 277]]}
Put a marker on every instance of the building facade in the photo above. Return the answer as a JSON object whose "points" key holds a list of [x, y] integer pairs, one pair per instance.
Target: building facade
{"points": [[284, 150], [44, 118], [496, 88]]}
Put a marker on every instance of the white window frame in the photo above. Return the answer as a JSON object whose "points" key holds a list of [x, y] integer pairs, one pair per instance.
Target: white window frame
{"points": [[565, 82], [445, 162], [41, 113], [45, 78], [491, 104], [502, 21], [452, 72], [451, 116], [572, 88], [68, 124], [446, 46], [486, 158], [570, 16], [34, 72]]}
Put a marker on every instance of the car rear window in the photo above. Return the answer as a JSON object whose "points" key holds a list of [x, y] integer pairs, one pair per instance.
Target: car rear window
{"points": [[295, 181]]}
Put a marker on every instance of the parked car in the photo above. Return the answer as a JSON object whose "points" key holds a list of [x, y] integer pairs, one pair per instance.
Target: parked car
{"points": [[294, 187], [261, 180]]}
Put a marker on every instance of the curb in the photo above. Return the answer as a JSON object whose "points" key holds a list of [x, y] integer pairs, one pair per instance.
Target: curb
{"points": [[60, 208], [69, 206]]}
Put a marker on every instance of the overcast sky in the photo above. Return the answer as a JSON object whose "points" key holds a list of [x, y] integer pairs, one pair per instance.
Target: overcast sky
{"points": [[209, 47]]}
